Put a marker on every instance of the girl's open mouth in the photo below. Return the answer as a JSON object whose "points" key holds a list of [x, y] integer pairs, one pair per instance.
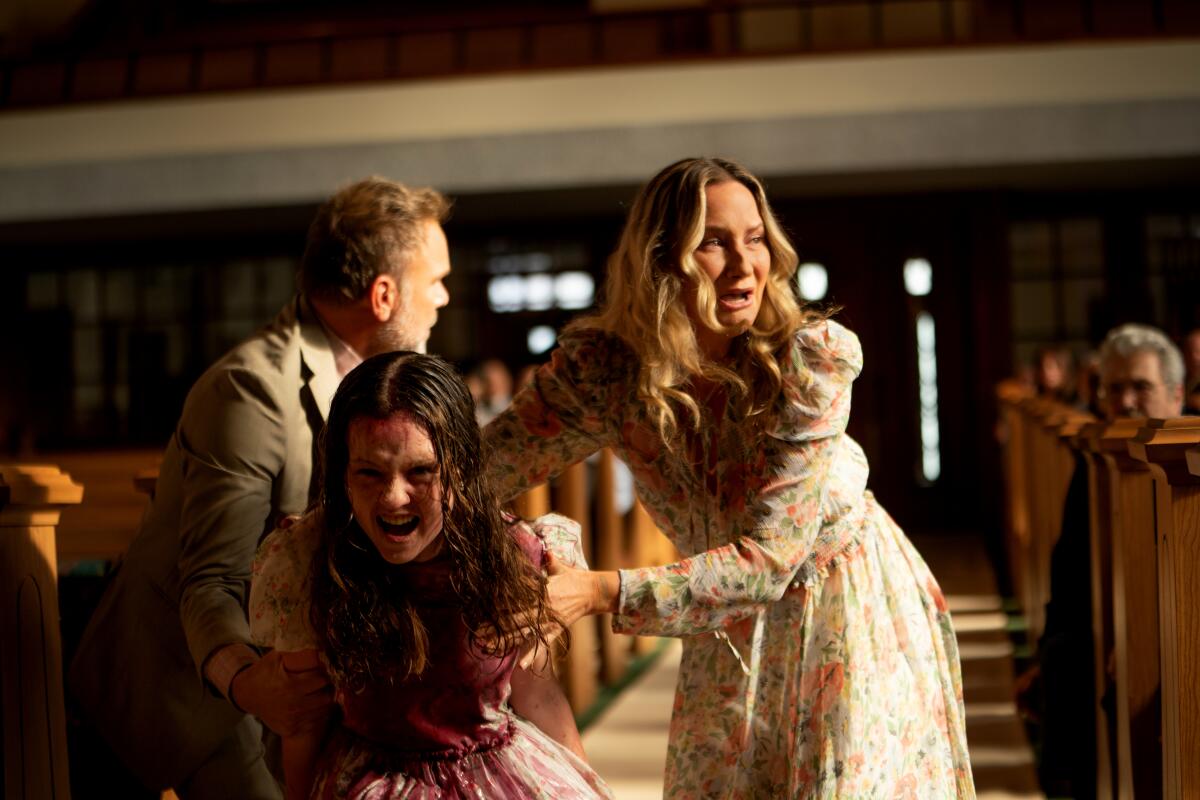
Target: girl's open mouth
{"points": [[399, 526]]}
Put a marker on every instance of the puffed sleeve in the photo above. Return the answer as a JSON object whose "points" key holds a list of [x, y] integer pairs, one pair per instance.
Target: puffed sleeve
{"points": [[717, 587], [280, 589], [561, 417]]}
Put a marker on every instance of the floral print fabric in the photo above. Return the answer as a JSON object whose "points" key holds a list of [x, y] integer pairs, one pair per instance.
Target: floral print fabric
{"points": [[819, 658]]}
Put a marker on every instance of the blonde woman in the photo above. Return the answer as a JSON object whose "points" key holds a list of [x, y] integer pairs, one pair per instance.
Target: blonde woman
{"points": [[819, 659]]}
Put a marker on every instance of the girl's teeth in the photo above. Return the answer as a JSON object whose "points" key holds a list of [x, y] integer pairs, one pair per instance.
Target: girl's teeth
{"points": [[398, 526]]}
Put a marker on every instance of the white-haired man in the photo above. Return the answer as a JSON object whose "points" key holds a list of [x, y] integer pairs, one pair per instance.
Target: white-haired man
{"points": [[1141, 373]]}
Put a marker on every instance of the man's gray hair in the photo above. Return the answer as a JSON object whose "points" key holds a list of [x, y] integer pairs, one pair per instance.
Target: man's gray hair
{"points": [[1126, 340]]}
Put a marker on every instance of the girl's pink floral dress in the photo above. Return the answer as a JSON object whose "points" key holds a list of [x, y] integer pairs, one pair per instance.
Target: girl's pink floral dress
{"points": [[819, 659]]}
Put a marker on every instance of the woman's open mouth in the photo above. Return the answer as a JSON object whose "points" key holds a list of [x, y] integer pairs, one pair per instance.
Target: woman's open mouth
{"points": [[736, 301], [398, 526]]}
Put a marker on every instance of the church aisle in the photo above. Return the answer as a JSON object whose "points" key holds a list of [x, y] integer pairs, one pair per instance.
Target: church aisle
{"points": [[628, 744]]}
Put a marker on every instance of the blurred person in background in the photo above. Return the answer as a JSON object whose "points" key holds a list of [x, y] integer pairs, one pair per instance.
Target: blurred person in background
{"points": [[1191, 362], [166, 670], [1052, 373], [1141, 375], [1087, 384], [496, 389]]}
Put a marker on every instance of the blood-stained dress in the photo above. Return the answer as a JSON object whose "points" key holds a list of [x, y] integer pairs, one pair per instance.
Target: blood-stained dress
{"points": [[447, 733]]}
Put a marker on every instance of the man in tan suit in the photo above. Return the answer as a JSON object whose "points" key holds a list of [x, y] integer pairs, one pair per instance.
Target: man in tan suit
{"points": [[166, 670]]}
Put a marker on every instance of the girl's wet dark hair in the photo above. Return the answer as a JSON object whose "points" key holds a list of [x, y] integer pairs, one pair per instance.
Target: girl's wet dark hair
{"points": [[361, 610]]}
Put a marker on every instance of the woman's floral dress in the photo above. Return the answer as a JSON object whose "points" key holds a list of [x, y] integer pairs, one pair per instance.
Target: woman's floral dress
{"points": [[819, 659]]}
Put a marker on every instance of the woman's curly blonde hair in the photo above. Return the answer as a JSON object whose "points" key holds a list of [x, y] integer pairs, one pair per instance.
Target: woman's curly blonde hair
{"points": [[646, 296]]}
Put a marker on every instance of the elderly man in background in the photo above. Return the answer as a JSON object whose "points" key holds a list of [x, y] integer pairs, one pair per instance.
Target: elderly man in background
{"points": [[1191, 359], [1141, 375], [166, 671]]}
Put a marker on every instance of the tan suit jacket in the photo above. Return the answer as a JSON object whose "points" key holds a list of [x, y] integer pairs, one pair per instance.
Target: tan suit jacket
{"points": [[241, 456]]}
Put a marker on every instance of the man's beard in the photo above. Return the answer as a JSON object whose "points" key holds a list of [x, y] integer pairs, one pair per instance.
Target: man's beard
{"points": [[389, 338]]}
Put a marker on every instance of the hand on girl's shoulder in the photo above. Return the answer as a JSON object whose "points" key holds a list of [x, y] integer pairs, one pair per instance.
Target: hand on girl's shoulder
{"points": [[560, 536]]}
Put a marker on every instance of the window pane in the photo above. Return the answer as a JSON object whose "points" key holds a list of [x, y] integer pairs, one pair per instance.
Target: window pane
{"points": [[1082, 247], [41, 290], [1031, 249], [1032, 308], [120, 295], [83, 295]]}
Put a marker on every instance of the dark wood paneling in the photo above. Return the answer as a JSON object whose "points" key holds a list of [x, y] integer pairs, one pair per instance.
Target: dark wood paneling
{"points": [[1122, 17], [427, 54], [564, 45], [913, 22], [228, 69], [494, 49], [1052, 19], [361, 59], [34, 84], [842, 26], [288, 64], [165, 73], [100, 79], [635, 39], [994, 20], [1181, 17]]}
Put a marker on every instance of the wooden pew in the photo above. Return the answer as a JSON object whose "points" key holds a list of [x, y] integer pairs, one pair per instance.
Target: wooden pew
{"points": [[1092, 441], [1183, 689], [31, 682], [1040, 472], [1134, 591], [1012, 434], [1162, 445], [1060, 423]]}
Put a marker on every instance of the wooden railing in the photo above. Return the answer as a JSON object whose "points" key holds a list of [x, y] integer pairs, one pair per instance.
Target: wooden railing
{"points": [[31, 686], [1162, 445], [1144, 502]]}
